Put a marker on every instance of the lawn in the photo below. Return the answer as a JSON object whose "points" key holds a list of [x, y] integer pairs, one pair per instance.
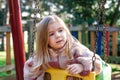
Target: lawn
{"points": [[3, 62]]}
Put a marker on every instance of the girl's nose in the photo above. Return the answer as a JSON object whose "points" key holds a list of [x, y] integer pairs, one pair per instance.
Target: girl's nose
{"points": [[57, 34]]}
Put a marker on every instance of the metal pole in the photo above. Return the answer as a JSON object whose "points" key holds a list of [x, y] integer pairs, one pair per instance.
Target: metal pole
{"points": [[17, 34]]}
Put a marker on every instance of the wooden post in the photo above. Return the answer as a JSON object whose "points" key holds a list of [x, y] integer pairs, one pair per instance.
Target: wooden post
{"points": [[114, 43], [92, 40], [80, 36], [8, 51], [85, 33]]}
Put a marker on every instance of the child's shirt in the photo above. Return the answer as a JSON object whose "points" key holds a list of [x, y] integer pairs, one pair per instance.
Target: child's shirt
{"points": [[81, 55]]}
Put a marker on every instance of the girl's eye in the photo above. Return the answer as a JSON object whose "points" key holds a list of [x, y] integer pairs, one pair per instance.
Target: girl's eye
{"points": [[51, 34], [60, 30]]}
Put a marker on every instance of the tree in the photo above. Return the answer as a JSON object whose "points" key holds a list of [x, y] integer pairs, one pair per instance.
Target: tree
{"points": [[113, 13], [75, 11]]}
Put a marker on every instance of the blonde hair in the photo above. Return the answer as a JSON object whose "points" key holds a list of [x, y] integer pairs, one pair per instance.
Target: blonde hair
{"points": [[42, 51]]}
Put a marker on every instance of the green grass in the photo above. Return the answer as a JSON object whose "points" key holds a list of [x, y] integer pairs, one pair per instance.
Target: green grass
{"points": [[3, 74], [3, 62], [3, 57], [115, 67]]}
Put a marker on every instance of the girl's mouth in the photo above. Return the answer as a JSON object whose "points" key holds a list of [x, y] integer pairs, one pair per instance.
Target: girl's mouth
{"points": [[59, 41], [61, 47]]}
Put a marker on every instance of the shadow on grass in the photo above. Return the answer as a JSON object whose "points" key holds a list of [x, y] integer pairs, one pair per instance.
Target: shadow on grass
{"points": [[6, 76]]}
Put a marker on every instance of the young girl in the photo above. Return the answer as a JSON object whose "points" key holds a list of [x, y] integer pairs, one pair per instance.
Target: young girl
{"points": [[57, 48]]}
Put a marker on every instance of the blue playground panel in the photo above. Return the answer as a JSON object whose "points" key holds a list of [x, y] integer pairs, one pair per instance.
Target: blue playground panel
{"points": [[75, 34]]}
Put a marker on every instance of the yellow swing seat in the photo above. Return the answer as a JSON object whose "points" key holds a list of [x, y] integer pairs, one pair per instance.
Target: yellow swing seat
{"points": [[59, 74]]}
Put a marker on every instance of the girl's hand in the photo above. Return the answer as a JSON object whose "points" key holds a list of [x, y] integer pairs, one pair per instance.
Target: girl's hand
{"points": [[86, 62], [74, 69]]}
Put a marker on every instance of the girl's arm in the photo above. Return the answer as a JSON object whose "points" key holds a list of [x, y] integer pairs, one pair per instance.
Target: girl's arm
{"points": [[87, 64], [32, 70], [74, 68], [84, 56]]}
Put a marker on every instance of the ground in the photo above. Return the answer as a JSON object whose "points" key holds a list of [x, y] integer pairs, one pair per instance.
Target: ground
{"points": [[12, 77]]}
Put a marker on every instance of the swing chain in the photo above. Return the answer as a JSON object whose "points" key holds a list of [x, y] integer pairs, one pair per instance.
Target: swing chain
{"points": [[36, 10], [37, 7], [101, 20], [101, 11], [105, 44], [104, 30], [93, 57]]}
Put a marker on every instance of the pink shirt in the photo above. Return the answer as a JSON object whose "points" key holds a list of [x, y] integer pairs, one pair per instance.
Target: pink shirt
{"points": [[81, 54]]}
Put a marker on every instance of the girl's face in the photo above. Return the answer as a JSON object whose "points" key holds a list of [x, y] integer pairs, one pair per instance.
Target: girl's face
{"points": [[56, 35]]}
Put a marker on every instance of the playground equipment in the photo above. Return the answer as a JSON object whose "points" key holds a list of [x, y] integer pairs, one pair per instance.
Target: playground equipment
{"points": [[16, 27], [53, 74], [18, 58]]}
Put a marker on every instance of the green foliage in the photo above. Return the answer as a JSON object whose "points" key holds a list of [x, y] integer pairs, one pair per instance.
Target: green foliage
{"points": [[115, 69], [112, 59], [81, 10]]}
